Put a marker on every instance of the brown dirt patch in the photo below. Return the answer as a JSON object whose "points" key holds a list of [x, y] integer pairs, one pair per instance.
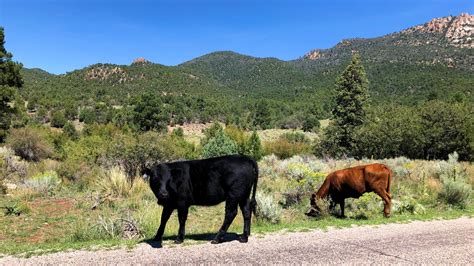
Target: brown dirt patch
{"points": [[53, 207]]}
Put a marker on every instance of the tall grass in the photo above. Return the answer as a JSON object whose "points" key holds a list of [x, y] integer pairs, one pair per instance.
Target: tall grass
{"points": [[115, 183]]}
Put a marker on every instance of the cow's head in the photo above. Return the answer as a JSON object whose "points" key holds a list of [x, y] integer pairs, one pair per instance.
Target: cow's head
{"points": [[161, 181], [315, 210]]}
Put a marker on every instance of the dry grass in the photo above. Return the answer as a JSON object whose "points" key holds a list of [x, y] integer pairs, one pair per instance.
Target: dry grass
{"points": [[115, 183], [194, 132]]}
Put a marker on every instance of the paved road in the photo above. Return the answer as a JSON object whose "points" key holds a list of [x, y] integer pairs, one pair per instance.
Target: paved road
{"points": [[434, 242]]}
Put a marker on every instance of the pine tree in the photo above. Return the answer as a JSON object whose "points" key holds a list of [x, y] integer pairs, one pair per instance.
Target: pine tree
{"points": [[254, 146], [10, 80], [350, 99], [262, 114]]}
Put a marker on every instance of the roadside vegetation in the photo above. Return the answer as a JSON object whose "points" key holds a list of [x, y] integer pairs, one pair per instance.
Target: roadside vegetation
{"points": [[43, 213], [70, 175]]}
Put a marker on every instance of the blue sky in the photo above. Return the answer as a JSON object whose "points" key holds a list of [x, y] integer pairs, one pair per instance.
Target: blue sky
{"points": [[63, 35]]}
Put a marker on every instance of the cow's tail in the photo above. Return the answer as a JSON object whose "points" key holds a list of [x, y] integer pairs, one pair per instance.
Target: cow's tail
{"points": [[253, 201]]}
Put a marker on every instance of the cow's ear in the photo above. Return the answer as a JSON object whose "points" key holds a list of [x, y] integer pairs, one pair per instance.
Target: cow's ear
{"points": [[146, 172]]}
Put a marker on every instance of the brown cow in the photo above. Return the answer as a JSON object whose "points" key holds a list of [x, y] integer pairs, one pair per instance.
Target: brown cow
{"points": [[352, 183]]}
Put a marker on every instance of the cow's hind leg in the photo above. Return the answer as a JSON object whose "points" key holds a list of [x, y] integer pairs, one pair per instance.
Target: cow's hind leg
{"points": [[387, 202], [182, 217], [342, 204], [247, 213], [165, 215], [230, 213]]}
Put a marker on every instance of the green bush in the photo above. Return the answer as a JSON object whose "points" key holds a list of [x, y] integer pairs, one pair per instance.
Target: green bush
{"points": [[283, 148], [58, 119], [219, 145], [29, 143], [70, 131], [364, 207], [267, 209], [43, 183], [134, 152], [311, 124], [407, 204], [456, 193], [178, 132], [254, 147], [295, 137], [302, 182]]}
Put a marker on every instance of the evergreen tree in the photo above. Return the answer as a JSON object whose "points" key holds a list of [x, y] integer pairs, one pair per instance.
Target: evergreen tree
{"points": [[219, 145], [350, 99], [10, 80], [254, 146], [262, 114], [149, 113]]}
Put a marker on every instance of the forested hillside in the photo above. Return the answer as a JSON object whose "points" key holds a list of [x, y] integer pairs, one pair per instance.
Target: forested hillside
{"points": [[425, 62]]}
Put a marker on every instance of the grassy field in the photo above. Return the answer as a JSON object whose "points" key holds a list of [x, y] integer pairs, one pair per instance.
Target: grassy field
{"points": [[194, 132], [36, 220]]}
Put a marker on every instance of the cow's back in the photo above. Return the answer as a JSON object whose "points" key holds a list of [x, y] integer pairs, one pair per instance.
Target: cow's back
{"points": [[378, 177], [213, 179], [355, 181]]}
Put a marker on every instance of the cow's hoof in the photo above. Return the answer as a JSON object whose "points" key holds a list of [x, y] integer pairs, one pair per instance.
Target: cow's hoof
{"points": [[243, 239], [178, 241], [217, 240]]}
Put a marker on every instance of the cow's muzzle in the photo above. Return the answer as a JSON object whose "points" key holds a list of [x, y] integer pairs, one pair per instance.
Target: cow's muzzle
{"points": [[312, 213]]}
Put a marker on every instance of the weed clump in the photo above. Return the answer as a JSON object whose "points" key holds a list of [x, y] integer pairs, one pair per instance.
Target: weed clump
{"points": [[267, 209], [43, 183], [456, 193]]}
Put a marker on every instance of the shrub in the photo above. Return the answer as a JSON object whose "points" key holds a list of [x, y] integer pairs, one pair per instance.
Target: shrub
{"points": [[456, 193], [364, 207], [43, 183], [219, 145], [407, 204], [115, 183], [58, 119], [283, 148], [295, 137], [267, 209], [254, 147], [87, 116], [302, 182], [178, 132], [238, 136], [311, 124], [134, 152], [29, 144], [70, 131]]}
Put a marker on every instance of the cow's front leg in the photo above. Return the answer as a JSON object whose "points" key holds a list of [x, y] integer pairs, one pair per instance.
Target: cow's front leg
{"points": [[182, 217], [165, 215], [230, 213]]}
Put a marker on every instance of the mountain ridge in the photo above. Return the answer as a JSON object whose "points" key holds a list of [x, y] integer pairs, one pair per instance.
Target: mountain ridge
{"points": [[409, 66]]}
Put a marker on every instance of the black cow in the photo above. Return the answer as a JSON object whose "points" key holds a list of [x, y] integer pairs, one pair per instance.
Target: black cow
{"points": [[207, 182]]}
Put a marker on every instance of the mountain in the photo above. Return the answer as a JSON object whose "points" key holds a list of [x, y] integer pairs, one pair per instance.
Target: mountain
{"points": [[433, 60]]}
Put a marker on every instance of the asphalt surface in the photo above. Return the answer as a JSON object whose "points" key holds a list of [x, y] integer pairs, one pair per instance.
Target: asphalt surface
{"points": [[433, 242]]}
